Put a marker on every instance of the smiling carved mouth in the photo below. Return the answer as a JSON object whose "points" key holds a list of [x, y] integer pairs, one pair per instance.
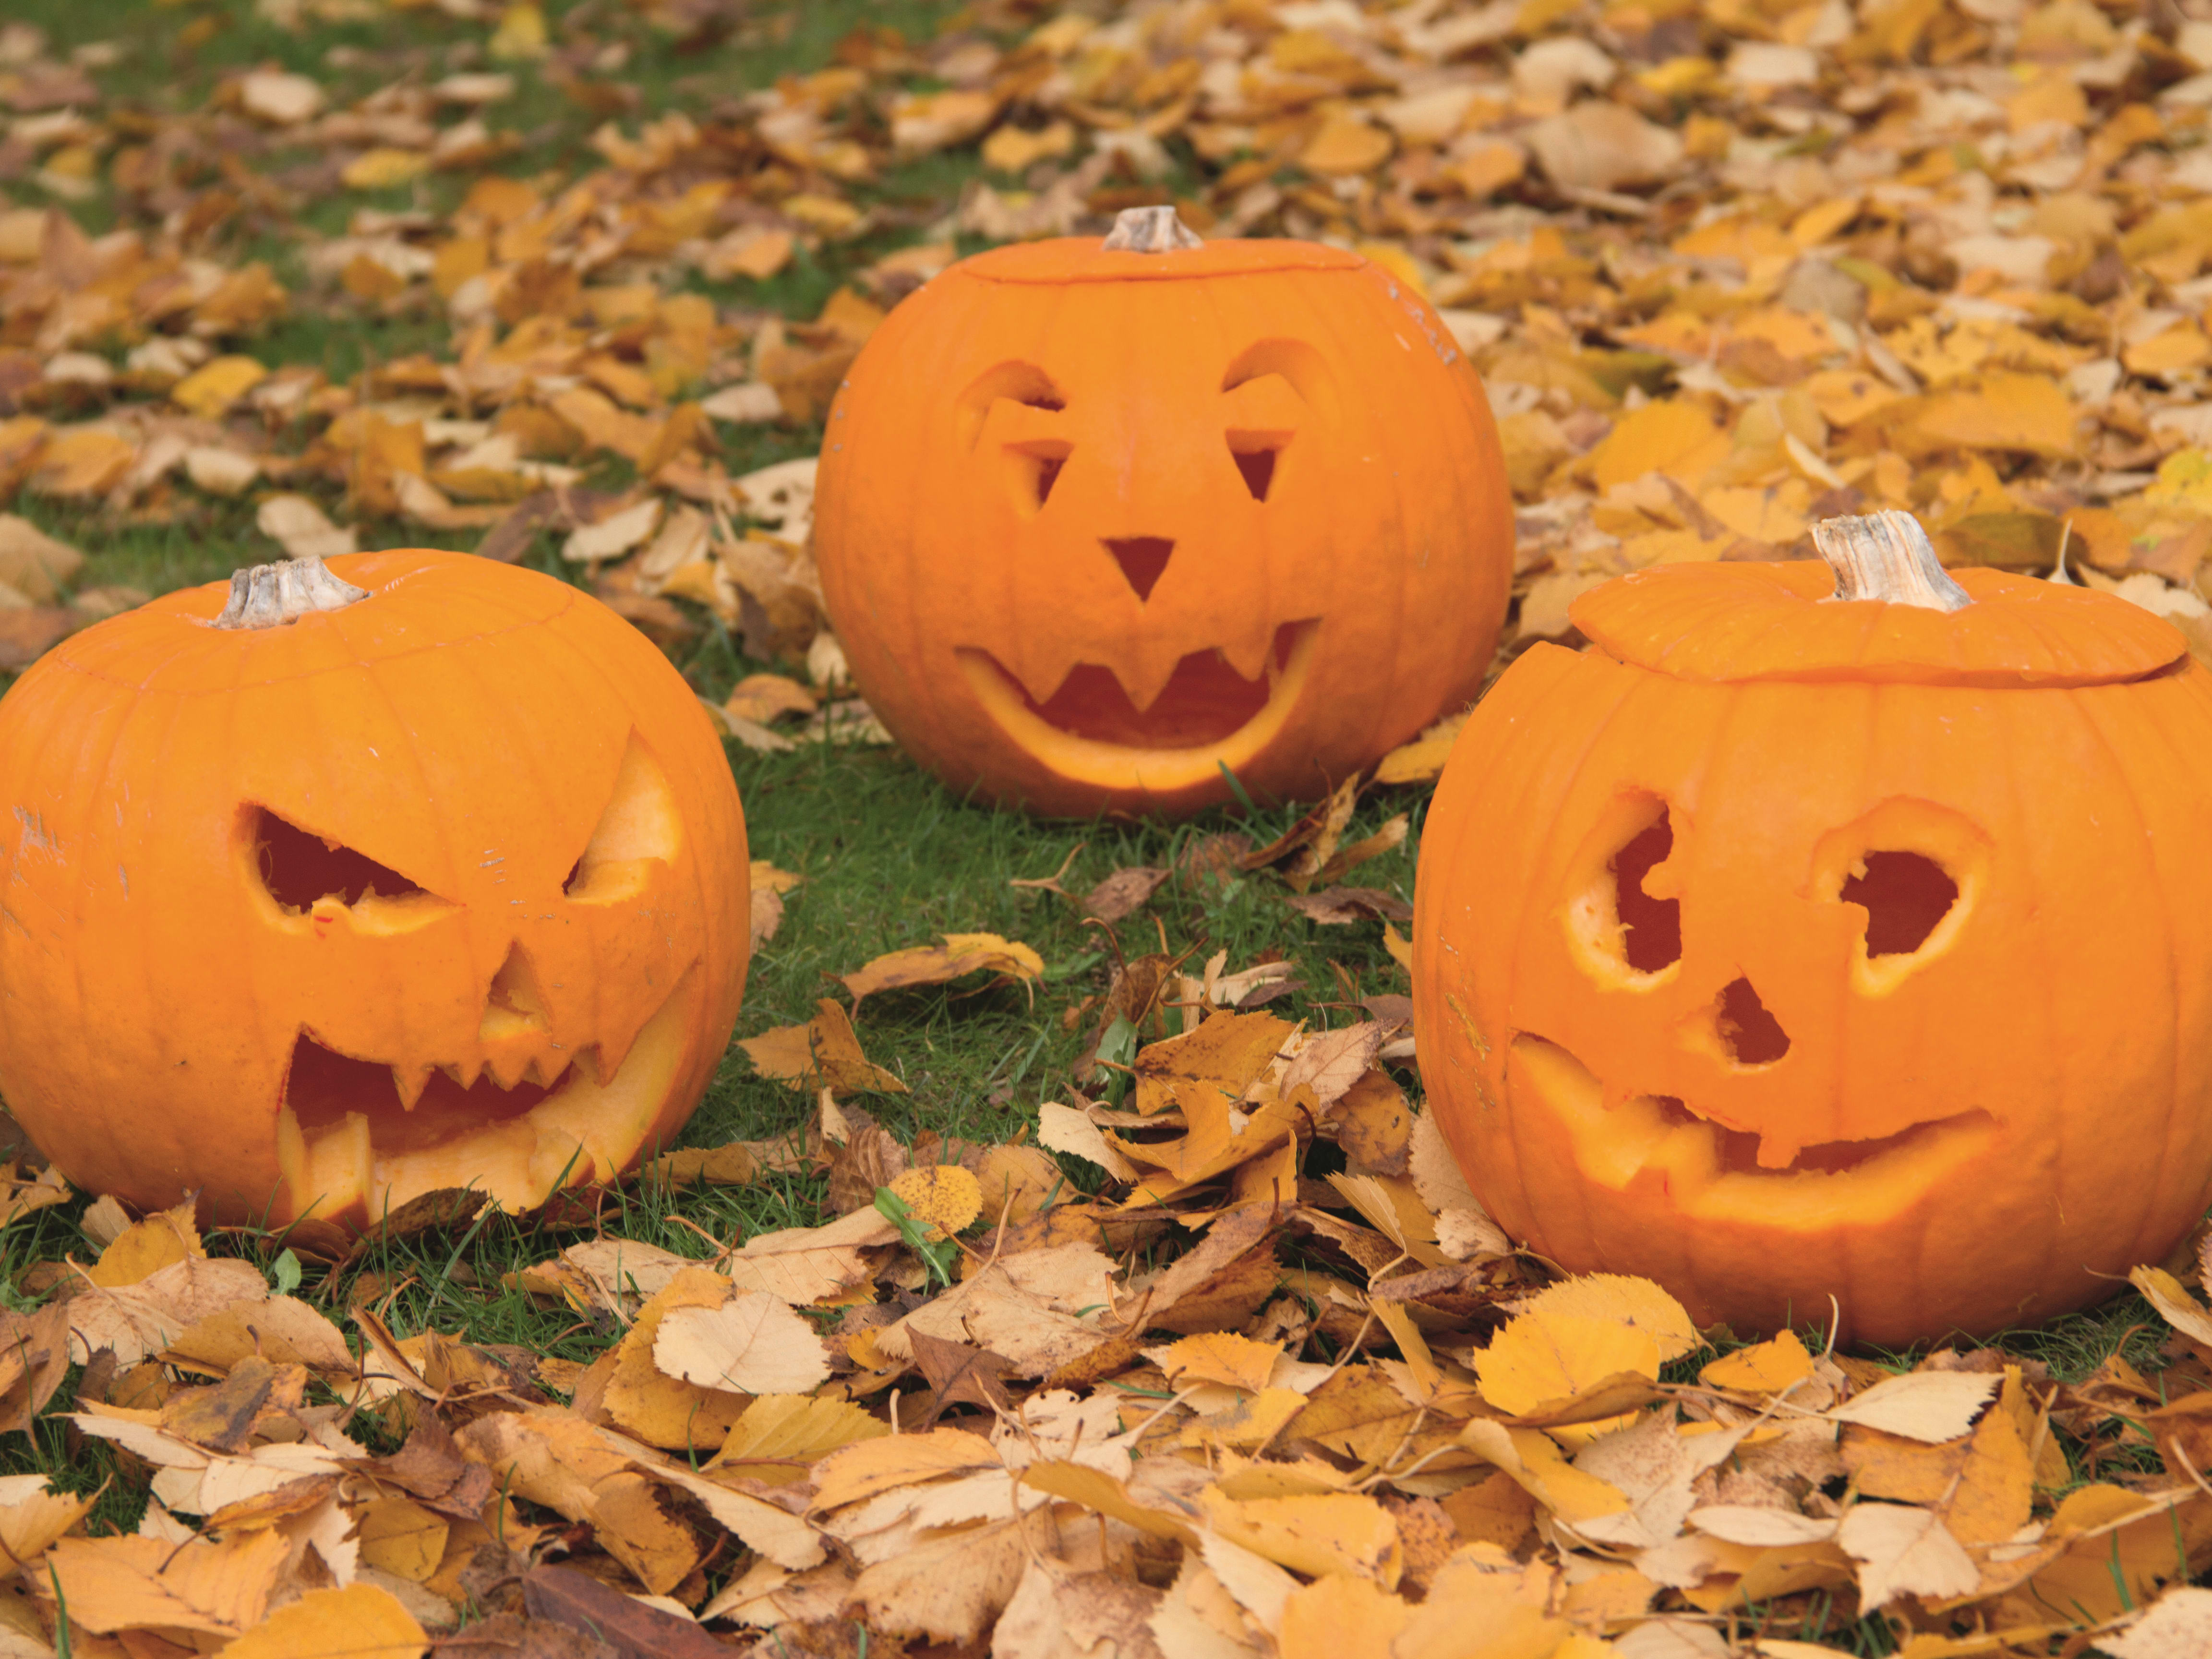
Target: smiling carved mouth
{"points": [[350, 1142], [1710, 1169], [1206, 716]]}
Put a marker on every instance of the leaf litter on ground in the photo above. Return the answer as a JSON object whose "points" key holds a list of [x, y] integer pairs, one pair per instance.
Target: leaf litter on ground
{"points": [[1227, 1360]]}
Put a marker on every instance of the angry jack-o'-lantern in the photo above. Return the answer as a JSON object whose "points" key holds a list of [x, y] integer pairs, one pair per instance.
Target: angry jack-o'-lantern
{"points": [[1837, 935], [1096, 521], [430, 873]]}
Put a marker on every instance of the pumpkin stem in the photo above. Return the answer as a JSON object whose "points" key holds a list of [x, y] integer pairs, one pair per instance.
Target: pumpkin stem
{"points": [[1150, 230], [1887, 556], [272, 595]]}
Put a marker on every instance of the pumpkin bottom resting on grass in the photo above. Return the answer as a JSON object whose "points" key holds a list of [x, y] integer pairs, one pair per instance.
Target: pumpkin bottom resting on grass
{"points": [[352, 893], [1784, 951], [1103, 526]]}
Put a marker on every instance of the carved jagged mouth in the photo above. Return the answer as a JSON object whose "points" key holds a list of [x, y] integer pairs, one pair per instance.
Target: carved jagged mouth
{"points": [[355, 1135], [1205, 716], [1707, 1165]]}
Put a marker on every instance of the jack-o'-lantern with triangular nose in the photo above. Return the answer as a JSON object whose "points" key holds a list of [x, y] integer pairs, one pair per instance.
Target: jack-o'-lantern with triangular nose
{"points": [[1833, 946], [413, 872], [1101, 525]]}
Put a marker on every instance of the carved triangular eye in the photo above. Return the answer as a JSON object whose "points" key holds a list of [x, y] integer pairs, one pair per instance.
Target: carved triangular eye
{"points": [[515, 1003], [638, 828], [298, 867]]}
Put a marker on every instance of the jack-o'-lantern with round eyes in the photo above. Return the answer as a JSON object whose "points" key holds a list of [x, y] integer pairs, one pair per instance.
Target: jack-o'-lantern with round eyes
{"points": [[1097, 521], [411, 872], [1832, 935]]}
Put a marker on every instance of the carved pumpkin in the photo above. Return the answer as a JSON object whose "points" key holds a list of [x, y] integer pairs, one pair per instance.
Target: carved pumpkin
{"points": [[353, 893], [1096, 521], [1784, 946]]}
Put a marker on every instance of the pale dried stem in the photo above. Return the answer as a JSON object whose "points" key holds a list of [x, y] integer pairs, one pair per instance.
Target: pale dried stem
{"points": [[1887, 557], [272, 595], [1150, 230]]}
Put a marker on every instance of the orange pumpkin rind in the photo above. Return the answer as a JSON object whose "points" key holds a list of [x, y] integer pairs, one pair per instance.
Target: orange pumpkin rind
{"points": [[1784, 946]]}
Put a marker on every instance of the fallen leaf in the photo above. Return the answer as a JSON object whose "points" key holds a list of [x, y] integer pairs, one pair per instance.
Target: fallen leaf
{"points": [[752, 1344], [576, 1601], [1929, 1406], [960, 955], [824, 1052]]}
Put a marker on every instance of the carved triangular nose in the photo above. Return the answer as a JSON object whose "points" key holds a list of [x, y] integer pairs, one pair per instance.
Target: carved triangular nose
{"points": [[1143, 559]]}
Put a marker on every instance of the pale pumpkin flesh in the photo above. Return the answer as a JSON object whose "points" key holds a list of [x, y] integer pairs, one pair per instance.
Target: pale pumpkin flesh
{"points": [[446, 887], [1830, 981]]}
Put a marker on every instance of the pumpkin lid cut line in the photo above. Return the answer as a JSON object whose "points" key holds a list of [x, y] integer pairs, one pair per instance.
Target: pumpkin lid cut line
{"points": [[1064, 260], [1725, 623], [196, 665]]}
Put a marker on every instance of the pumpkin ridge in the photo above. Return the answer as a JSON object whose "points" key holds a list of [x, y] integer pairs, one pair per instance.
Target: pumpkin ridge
{"points": [[2144, 843]]}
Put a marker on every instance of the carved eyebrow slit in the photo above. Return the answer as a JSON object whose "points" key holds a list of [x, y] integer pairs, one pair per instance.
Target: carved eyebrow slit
{"points": [[298, 867]]}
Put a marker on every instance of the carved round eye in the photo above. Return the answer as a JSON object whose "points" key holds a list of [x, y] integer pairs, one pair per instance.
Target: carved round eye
{"points": [[1906, 896], [1622, 932], [1917, 871]]}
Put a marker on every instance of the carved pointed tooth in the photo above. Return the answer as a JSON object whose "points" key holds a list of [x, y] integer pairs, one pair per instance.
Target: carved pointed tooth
{"points": [[508, 1066], [1252, 654], [1777, 1152], [1039, 665], [410, 1084], [465, 1074], [546, 1070], [1145, 670]]}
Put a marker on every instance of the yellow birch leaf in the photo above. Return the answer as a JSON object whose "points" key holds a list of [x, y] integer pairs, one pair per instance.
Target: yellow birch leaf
{"points": [[960, 955], [384, 168], [1080, 1483], [942, 1196], [1014, 149], [31, 1522], [822, 1053], [115, 1583], [82, 461], [1763, 1368], [1339, 1617], [520, 34], [1542, 1361], [1328, 1533], [1345, 144], [1655, 438], [1220, 1357], [401, 1537], [147, 1246], [751, 252], [2183, 346], [1997, 1486], [2172, 1298], [644, 1398], [2009, 412], [1252, 1421], [1845, 397], [358, 1622], [1506, 1611], [862, 1470], [787, 1431], [1761, 515], [1535, 1462], [214, 386], [1629, 1300]]}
